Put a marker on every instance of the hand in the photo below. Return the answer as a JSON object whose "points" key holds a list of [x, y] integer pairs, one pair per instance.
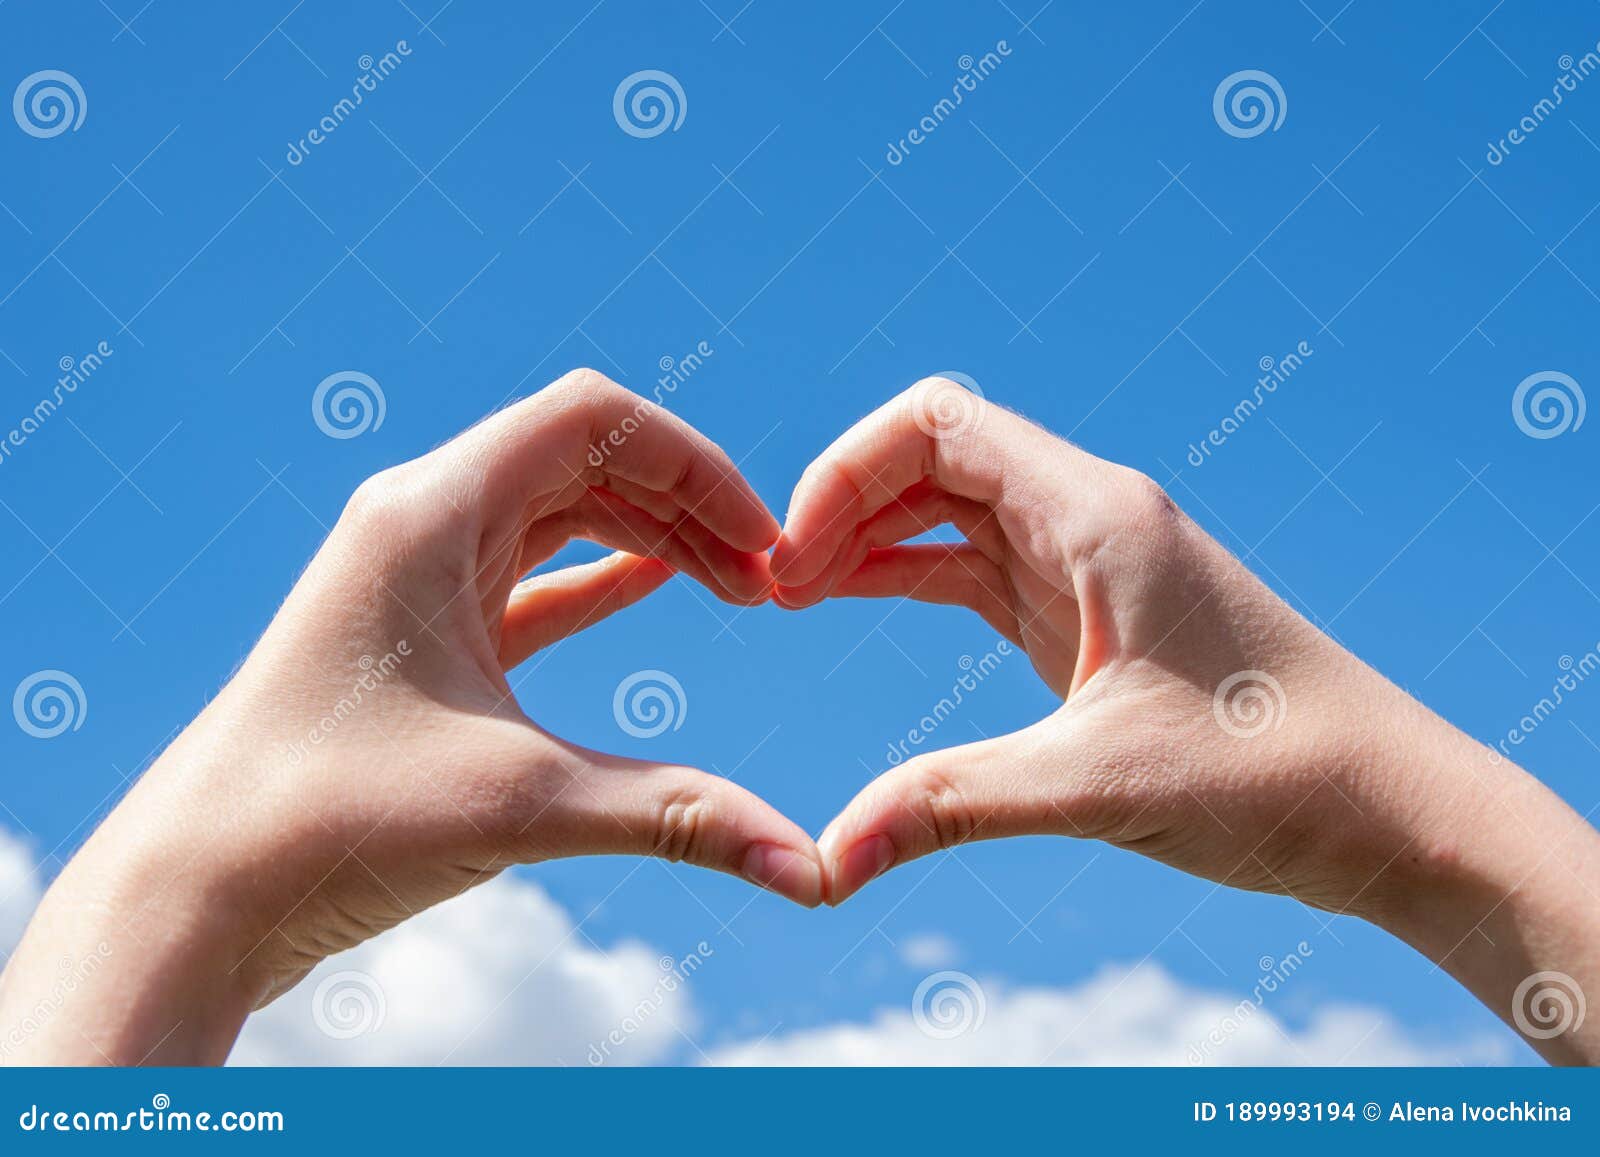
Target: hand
{"points": [[369, 759], [1204, 722]]}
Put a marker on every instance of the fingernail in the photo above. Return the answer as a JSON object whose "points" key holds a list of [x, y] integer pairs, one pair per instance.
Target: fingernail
{"points": [[868, 859], [787, 872], [784, 556]]}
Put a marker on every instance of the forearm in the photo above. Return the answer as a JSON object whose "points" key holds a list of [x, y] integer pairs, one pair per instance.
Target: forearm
{"points": [[130, 958], [1500, 886]]}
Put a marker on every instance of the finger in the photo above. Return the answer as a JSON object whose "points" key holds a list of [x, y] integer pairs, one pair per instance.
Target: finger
{"points": [[747, 574], [905, 441], [925, 506], [616, 806], [1018, 784], [553, 606], [921, 508], [604, 518], [961, 576], [585, 424]]}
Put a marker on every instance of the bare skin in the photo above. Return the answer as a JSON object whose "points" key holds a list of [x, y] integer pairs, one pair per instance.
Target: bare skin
{"points": [[1202, 722], [248, 853]]}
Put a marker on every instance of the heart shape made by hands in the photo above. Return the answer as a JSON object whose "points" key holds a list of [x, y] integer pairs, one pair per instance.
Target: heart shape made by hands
{"points": [[1156, 639]]}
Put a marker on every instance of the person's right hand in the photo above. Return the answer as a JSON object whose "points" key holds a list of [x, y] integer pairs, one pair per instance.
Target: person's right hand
{"points": [[1204, 722]]}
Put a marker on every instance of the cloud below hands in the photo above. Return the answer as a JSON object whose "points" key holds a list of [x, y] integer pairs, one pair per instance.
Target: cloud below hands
{"points": [[504, 975], [1119, 1016], [500, 975], [20, 889]]}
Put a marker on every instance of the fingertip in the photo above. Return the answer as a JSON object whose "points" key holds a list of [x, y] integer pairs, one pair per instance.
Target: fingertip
{"points": [[647, 568], [756, 534], [787, 872], [792, 598], [772, 532], [787, 561], [862, 862]]}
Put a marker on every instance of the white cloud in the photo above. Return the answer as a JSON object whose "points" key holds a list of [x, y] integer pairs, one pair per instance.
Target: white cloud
{"points": [[497, 976], [20, 889], [1119, 1016], [501, 975], [929, 950]]}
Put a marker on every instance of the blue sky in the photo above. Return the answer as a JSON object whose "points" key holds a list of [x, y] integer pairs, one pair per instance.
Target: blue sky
{"points": [[1080, 237]]}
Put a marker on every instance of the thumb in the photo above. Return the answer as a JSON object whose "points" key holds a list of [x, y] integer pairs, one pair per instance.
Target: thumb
{"points": [[617, 806], [1025, 783]]}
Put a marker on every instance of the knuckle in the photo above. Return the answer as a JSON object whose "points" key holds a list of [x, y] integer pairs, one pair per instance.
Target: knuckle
{"points": [[587, 384], [1145, 494], [942, 807], [408, 514], [930, 397], [379, 497], [682, 824], [1141, 506]]}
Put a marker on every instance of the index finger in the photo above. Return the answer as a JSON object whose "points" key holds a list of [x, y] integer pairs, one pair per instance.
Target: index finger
{"points": [[935, 430], [585, 426]]}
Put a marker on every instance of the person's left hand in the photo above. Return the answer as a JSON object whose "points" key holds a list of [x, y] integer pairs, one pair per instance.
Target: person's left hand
{"points": [[369, 759]]}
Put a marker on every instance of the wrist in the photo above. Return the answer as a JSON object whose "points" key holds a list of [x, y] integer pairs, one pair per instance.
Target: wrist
{"points": [[140, 943], [1496, 886], [124, 963]]}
